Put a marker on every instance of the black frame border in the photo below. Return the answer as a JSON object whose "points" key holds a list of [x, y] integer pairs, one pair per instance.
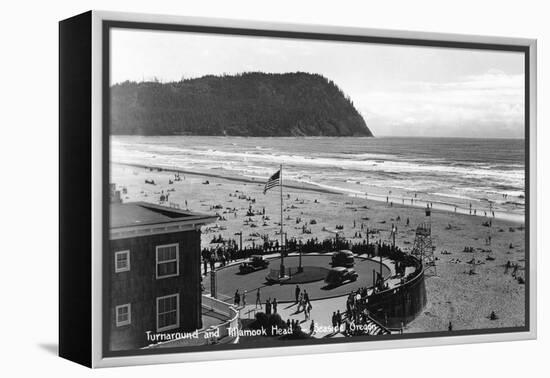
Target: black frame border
{"points": [[106, 27], [75, 189]]}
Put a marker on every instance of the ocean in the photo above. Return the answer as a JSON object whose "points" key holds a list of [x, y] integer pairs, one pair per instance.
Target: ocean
{"points": [[449, 173]]}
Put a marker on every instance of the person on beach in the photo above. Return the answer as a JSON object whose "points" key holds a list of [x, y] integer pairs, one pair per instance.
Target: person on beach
{"points": [[514, 272], [312, 328], [268, 306], [244, 298], [258, 298], [237, 298], [507, 266], [274, 305], [297, 293]]}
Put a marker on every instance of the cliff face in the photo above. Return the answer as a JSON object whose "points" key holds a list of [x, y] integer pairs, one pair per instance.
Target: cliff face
{"points": [[251, 104]]}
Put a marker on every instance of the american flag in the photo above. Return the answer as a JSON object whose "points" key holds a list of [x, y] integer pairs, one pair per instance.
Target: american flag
{"points": [[273, 181]]}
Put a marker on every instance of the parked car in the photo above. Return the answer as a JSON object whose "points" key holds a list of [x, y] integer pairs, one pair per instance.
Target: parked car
{"points": [[343, 258], [339, 275], [256, 262]]}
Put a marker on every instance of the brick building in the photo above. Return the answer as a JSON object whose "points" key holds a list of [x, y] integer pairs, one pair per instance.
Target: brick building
{"points": [[155, 279]]}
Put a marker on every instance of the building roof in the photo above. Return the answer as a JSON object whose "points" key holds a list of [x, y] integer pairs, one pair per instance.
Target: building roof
{"points": [[131, 214]]}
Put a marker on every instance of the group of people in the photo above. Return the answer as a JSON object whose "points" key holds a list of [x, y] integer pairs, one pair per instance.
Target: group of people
{"points": [[355, 306], [242, 196], [337, 320], [356, 311], [514, 268], [356, 314], [213, 256], [228, 250], [271, 306], [239, 300], [302, 301]]}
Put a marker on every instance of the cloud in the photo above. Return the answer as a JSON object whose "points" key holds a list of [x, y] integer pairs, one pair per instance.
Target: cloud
{"points": [[486, 105]]}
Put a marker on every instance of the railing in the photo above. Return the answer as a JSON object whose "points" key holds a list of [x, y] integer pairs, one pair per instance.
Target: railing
{"points": [[223, 336], [222, 308], [375, 328], [394, 306]]}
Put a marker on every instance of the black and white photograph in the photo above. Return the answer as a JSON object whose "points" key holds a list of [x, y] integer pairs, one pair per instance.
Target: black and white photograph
{"points": [[292, 188], [282, 190]]}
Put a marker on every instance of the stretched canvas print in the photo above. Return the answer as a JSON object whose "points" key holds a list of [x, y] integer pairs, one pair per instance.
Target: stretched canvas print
{"points": [[266, 187]]}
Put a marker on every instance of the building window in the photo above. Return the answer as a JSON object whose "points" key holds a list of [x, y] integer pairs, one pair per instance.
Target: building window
{"points": [[168, 312], [167, 260], [123, 314], [122, 261]]}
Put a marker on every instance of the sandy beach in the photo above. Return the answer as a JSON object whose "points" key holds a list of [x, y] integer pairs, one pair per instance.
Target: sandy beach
{"points": [[454, 295]]}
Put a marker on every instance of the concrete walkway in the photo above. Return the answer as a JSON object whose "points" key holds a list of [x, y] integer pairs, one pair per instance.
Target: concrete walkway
{"points": [[322, 309], [321, 314]]}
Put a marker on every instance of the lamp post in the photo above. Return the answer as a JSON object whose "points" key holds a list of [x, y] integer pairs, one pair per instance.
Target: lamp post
{"points": [[381, 277], [240, 233], [300, 268], [282, 267], [393, 231]]}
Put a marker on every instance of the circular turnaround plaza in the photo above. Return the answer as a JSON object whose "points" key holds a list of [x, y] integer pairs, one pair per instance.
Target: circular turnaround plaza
{"points": [[229, 279]]}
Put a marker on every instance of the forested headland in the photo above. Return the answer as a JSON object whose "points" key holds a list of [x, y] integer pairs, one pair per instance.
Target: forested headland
{"points": [[248, 104]]}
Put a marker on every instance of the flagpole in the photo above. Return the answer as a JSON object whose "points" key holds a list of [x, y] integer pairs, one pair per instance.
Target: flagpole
{"points": [[282, 272]]}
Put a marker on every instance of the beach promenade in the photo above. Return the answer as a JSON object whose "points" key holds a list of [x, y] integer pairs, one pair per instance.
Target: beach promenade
{"points": [[321, 313], [454, 295]]}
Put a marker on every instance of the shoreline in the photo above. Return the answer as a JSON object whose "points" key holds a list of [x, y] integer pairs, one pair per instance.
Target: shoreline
{"points": [[317, 188], [310, 187]]}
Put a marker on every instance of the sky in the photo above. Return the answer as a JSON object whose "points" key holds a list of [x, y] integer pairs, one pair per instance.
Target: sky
{"points": [[399, 90]]}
